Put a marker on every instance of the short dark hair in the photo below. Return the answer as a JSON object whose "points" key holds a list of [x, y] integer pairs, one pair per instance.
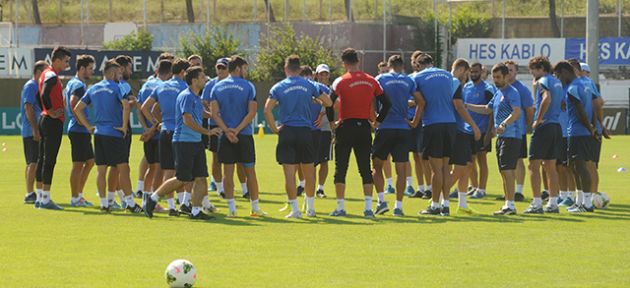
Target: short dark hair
{"points": [[501, 68], [192, 73], [292, 63], [381, 64], [477, 64], [395, 61], [563, 65], [540, 62], [510, 62], [180, 65], [461, 62], [123, 60], [59, 52], [424, 59], [306, 71], [236, 62], [164, 67], [166, 56], [349, 56], [84, 61], [110, 64], [415, 55], [39, 66], [576, 64]]}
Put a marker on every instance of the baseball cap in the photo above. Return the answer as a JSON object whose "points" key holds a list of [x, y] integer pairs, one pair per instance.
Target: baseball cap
{"points": [[223, 62], [322, 68], [585, 67]]}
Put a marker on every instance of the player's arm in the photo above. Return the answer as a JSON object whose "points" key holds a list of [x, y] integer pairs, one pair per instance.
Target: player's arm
{"points": [[126, 111], [598, 111], [47, 88], [192, 124], [81, 117], [463, 112], [251, 113], [324, 98], [419, 102], [481, 109], [146, 108], [515, 115], [32, 120], [529, 114], [385, 106], [544, 106], [271, 121], [581, 114], [216, 116]]}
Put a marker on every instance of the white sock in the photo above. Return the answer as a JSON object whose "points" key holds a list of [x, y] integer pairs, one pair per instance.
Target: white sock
{"points": [[445, 202], [186, 198], [38, 194], [244, 188], [537, 202], [482, 191], [171, 203], [301, 183], [140, 185], [564, 194], [180, 197], [195, 210], [155, 197], [398, 205], [45, 197], [519, 188], [220, 187], [461, 196], [409, 181], [111, 196], [553, 201], [80, 195], [255, 205], [121, 196], [579, 197], [390, 182], [231, 205], [368, 202], [428, 187], [74, 199], [341, 205], [509, 204], [310, 203], [441, 197], [206, 202], [212, 179], [587, 201], [104, 202], [435, 204], [294, 205], [320, 187], [571, 194], [129, 200], [381, 197], [421, 188]]}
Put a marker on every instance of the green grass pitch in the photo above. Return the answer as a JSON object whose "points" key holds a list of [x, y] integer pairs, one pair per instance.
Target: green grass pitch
{"points": [[83, 248]]}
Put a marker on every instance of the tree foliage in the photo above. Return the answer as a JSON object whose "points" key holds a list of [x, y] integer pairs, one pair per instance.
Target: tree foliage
{"points": [[141, 40], [211, 46]]}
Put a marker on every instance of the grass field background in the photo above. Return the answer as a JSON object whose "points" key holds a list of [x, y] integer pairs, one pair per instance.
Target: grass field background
{"points": [[83, 248]]}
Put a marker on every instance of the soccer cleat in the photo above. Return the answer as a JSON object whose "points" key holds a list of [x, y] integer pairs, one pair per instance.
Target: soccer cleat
{"points": [[87, 203], [320, 193], [30, 198], [500, 198], [544, 195], [212, 187], [201, 216], [311, 213], [534, 210], [338, 213], [454, 194], [431, 211], [579, 209], [398, 212], [519, 197], [368, 214], [294, 215], [211, 209], [123, 204], [222, 195], [246, 195], [300, 190], [258, 213], [173, 212], [478, 195], [185, 209], [37, 204], [567, 202], [50, 206], [149, 206], [138, 194], [417, 194], [114, 205], [505, 211], [471, 191], [381, 208], [409, 191], [465, 211], [135, 209], [390, 190], [552, 209], [427, 194], [445, 211], [106, 210], [78, 204]]}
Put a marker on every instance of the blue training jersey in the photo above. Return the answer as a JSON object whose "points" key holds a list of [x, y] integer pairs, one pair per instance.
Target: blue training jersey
{"points": [[595, 94], [106, 100], [205, 95], [145, 92], [502, 106], [233, 94], [398, 88], [295, 96], [187, 103], [554, 86], [527, 101], [77, 88], [436, 87], [478, 94], [579, 94], [30, 95], [166, 95]]}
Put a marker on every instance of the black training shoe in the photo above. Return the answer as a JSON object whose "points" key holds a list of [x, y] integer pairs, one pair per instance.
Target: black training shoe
{"points": [[139, 194], [149, 206], [417, 194], [300, 190], [506, 211], [446, 211], [201, 216], [222, 194], [427, 194], [431, 211], [320, 193], [246, 195], [534, 210], [106, 210], [173, 212], [30, 198], [135, 209], [544, 195], [185, 209], [500, 198], [519, 197]]}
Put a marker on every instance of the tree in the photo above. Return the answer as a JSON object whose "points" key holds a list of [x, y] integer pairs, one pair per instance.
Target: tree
{"points": [[269, 11], [189, 11], [136, 41], [36, 17], [553, 18], [215, 44]]}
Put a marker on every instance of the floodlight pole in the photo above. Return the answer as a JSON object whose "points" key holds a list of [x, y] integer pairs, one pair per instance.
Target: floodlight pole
{"points": [[592, 38], [384, 29], [503, 21]]}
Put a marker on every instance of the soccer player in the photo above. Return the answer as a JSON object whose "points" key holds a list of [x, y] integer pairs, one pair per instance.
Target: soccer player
{"points": [[190, 156], [527, 107], [80, 137], [382, 67], [467, 135], [163, 99], [151, 136], [51, 122], [392, 136], [30, 109], [295, 150], [479, 92], [506, 109], [546, 140], [221, 68], [438, 119], [111, 119], [322, 75], [195, 61], [233, 102], [387, 164], [565, 175], [421, 166], [581, 133]]}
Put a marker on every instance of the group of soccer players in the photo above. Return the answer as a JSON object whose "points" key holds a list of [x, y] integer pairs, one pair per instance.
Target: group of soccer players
{"points": [[446, 120]]}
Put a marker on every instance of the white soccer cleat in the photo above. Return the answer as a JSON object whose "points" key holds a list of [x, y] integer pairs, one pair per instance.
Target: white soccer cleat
{"points": [[294, 214]]}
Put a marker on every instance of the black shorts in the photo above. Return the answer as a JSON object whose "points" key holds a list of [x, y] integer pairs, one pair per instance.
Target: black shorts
{"points": [[325, 147], [581, 148], [546, 142], [463, 149], [563, 158], [508, 150], [213, 141], [204, 137], [241, 152], [523, 152], [438, 140], [152, 150], [393, 142], [416, 139], [110, 150], [316, 136], [167, 160], [479, 147], [31, 150], [295, 146], [190, 161], [81, 146]]}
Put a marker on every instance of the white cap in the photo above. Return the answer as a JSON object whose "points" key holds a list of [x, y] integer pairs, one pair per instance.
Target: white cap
{"points": [[585, 67], [322, 68]]}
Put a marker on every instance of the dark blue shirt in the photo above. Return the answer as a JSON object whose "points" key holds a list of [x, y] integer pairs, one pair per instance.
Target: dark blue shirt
{"points": [[563, 119], [187, 103], [30, 95], [233, 94], [502, 106], [295, 96], [166, 95], [77, 88], [436, 86], [577, 90], [479, 94], [596, 94], [526, 101], [398, 88], [205, 95], [554, 86], [106, 100], [144, 94]]}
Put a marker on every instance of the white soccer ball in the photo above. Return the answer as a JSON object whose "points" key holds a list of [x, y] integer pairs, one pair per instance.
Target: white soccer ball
{"points": [[601, 200], [181, 274]]}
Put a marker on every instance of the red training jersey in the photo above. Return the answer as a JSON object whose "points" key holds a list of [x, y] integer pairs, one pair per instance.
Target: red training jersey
{"points": [[355, 92], [51, 92]]}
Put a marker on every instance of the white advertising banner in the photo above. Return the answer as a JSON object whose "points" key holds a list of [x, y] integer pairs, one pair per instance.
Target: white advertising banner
{"points": [[16, 62], [492, 51]]}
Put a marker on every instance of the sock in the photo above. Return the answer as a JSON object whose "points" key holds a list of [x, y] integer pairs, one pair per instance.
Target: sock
{"points": [[171, 203], [482, 191], [129, 200], [510, 204], [435, 204], [409, 181], [571, 194], [231, 205], [398, 205], [579, 197], [461, 196], [186, 198], [301, 184], [537, 202], [553, 201], [180, 197], [294, 205], [45, 197], [441, 197], [428, 187], [111, 196], [212, 179], [390, 182], [563, 194], [587, 200], [310, 203], [74, 199], [368, 202], [145, 195], [255, 205], [155, 197], [381, 197], [80, 195], [121, 196], [519, 188], [220, 187], [39, 194], [195, 210], [104, 202], [320, 187], [445, 203], [244, 188], [140, 185], [421, 188], [341, 205], [205, 203]]}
